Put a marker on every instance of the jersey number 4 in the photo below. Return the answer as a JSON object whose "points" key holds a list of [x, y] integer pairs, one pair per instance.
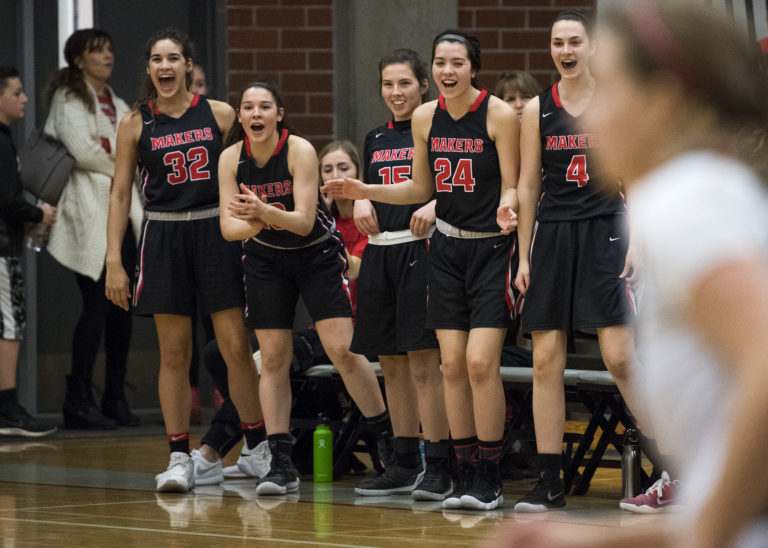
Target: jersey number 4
{"points": [[577, 170], [187, 168], [461, 177]]}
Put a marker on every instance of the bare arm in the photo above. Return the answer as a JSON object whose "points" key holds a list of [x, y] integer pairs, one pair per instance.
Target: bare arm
{"points": [[729, 308], [225, 117], [504, 129], [232, 228], [117, 286], [365, 217], [302, 162], [528, 189], [418, 189]]}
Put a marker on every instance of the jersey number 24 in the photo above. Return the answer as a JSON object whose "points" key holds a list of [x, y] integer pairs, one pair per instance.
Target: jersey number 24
{"points": [[461, 177]]}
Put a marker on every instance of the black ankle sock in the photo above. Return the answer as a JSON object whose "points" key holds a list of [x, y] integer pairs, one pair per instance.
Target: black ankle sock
{"points": [[254, 433], [550, 465], [281, 444], [466, 450], [489, 450], [8, 399], [179, 443], [437, 451], [407, 452], [380, 425]]}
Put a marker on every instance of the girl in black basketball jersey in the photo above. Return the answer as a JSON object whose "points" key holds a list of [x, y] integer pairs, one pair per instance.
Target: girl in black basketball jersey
{"points": [[572, 279], [466, 149], [175, 137], [269, 197], [393, 295]]}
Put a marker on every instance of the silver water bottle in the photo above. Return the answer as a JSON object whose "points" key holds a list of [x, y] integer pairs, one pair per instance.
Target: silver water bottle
{"points": [[631, 464]]}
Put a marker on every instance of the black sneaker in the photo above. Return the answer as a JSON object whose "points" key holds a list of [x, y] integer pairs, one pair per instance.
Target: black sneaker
{"points": [[485, 493], [436, 483], [464, 480], [17, 422], [386, 450], [545, 496], [395, 480], [282, 477]]}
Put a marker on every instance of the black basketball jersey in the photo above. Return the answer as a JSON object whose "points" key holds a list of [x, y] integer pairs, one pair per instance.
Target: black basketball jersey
{"points": [[465, 166], [569, 192], [179, 158], [274, 184], [388, 153]]}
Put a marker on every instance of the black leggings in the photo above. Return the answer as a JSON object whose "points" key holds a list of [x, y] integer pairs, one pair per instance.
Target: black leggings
{"points": [[100, 316]]}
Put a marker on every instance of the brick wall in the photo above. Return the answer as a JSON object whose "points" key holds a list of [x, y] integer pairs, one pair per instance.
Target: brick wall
{"points": [[514, 34], [289, 42]]}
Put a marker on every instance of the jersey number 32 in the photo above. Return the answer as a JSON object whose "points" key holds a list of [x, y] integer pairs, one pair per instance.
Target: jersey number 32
{"points": [[187, 168]]}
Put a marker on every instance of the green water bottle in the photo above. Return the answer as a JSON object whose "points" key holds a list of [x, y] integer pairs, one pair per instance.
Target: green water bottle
{"points": [[322, 453]]}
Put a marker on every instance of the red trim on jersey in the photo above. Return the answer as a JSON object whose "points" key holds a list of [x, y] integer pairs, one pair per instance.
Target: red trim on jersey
{"points": [[391, 124], [556, 95], [195, 100], [281, 142], [283, 138], [476, 104], [248, 147]]}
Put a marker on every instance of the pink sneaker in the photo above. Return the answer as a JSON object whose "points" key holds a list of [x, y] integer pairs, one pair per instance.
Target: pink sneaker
{"points": [[658, 498]]}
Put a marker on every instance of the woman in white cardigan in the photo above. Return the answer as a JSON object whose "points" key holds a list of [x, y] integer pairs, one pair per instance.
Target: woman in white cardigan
{"points": [[83, 115]]}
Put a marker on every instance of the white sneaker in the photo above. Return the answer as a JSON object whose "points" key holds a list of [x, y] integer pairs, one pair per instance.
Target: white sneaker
{"points": [[257, 359], [206, 472], [252, 463], [180, 475]]}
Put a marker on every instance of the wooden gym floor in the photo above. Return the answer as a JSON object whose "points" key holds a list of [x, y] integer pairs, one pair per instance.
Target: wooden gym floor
{"points": [[97, 489]]}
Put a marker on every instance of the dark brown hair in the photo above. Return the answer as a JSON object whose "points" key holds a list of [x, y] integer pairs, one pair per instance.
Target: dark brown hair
{"points": [[518, 80], [237, 133], [148, 91], [71, 77], [413, 60], [470, 42], [6, 73]]}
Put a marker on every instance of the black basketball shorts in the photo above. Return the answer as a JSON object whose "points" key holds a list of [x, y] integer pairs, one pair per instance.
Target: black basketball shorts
{"points": [[181, 264], [470, 282], [274, 279], [575, 267], [392, 300]]}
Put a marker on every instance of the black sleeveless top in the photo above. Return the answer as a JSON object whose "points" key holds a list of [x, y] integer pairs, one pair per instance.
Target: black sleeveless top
{"points": [[274, 183], [569, 192], [465, 166], [179, 158], [388, 153]]}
